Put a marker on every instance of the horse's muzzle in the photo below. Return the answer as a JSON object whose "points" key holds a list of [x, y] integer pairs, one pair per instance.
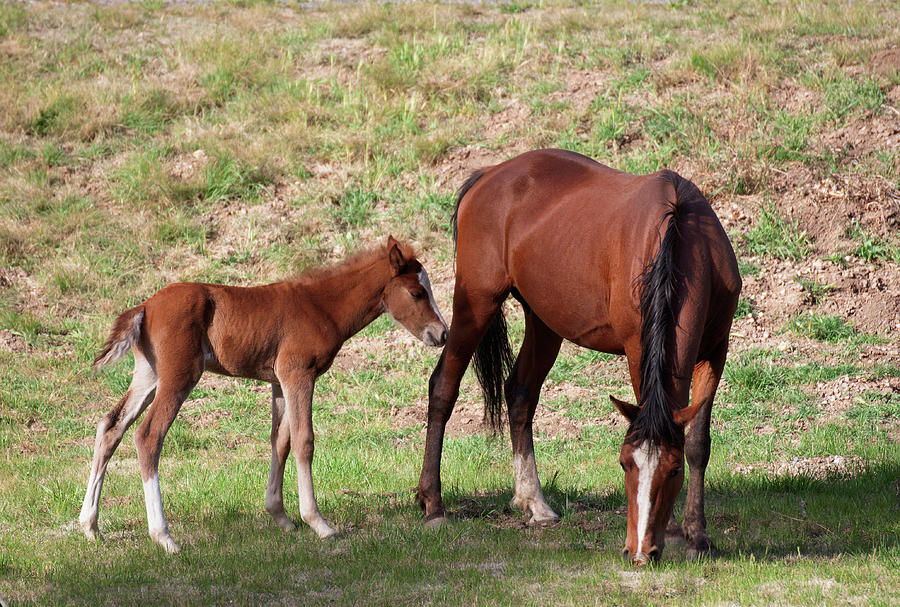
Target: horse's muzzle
{"points": [[642, 558]]}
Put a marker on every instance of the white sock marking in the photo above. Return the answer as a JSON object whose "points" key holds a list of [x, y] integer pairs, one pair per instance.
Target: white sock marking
{"points": [[646, 458], [156, 520]]}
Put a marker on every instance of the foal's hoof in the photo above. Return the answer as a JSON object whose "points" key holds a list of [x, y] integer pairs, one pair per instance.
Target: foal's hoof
{"points": [[91, 531], [167, 543], [283, 522], [324, 530]]}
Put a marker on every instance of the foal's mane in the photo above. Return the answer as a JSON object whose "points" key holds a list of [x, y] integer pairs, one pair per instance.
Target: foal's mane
{"points": [[354, 261]]}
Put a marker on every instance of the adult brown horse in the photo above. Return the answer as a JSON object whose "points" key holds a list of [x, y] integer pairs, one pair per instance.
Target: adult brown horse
{"points": [[626, 264], [286, 333]]}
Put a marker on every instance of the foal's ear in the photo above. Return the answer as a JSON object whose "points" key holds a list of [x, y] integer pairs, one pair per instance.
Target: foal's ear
{"points": [[684, 416], [398, 262], [627, 409]]}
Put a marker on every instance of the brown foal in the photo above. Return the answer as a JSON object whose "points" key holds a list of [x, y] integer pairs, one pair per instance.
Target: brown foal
{"points": [[286, 333]]}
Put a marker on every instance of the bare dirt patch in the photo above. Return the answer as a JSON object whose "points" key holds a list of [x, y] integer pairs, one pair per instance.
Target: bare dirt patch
{"points": [[814, 467], [867, 295], [886, 61], [12, 342], [825, 207]]}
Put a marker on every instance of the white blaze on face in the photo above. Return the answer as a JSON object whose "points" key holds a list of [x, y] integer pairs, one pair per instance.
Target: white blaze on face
{"points": [[426, 284], [646, 458]]}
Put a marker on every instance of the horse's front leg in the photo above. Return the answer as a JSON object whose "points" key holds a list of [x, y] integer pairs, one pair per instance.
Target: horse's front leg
{"points": [[470, 322], [297, 384], [706, 376], [281, 447]]}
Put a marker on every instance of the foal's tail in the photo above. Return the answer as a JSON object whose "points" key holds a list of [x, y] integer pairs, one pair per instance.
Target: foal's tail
{"points": [[659, 292], [125, 331]]}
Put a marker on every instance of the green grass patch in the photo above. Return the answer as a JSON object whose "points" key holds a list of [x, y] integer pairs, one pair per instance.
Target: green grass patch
{"points": [[832, 329], [776, 236]]}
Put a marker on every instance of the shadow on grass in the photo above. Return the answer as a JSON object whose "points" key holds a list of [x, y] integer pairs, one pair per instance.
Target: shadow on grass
{"points": [[769, 518]]}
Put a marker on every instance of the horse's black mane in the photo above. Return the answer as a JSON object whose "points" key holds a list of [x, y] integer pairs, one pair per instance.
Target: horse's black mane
{"points": [[659, 283]]}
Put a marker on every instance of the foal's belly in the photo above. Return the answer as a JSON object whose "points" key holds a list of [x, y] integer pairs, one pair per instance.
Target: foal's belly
{"points": [[255, 371]]}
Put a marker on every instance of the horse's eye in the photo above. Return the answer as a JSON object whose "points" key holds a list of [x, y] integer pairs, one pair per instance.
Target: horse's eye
{"points": [[418, 295], [621, 463], [674, 472]]}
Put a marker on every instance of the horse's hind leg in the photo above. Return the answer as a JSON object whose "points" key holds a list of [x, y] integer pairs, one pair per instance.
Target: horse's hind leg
{"points": [[281, 447], [109, 434], [175, 384], [523, 388], [706, 376]]}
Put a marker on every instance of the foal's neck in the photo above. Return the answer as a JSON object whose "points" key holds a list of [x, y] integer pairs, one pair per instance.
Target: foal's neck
{"points": [[352, 296]]}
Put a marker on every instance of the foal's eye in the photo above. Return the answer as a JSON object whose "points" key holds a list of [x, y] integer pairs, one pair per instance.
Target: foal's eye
{"points": [[621, 463], [418, 295], [674, 472]]}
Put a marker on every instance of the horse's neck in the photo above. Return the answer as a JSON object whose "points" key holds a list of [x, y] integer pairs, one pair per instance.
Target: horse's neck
{"points": [[353, 297]]}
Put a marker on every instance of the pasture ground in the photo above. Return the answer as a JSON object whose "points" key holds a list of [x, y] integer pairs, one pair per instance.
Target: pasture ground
{"points": [[144, 143]]}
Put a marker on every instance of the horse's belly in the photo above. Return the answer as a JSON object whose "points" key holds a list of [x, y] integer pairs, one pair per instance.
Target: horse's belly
{"points": [[583, 321]]}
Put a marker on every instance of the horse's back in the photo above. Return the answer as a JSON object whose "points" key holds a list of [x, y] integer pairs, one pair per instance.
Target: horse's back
{"points": [[574, 237]]}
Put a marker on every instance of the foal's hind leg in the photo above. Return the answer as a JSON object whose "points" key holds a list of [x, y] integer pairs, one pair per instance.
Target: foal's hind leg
{"points": [[176, 381], [523, 388], [281, 447], [706, 376], [109, 434]]}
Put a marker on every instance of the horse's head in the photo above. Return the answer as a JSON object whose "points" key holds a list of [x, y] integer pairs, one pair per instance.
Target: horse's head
{"points": [[408, 297], [654, 473]]}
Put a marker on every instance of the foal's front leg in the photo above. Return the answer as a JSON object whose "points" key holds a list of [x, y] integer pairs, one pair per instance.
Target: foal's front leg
{"points": [[297, 384], [281, 447]]}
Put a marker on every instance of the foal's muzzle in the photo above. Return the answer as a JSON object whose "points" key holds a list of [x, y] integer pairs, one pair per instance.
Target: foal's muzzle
{"points": [[435, 335]]}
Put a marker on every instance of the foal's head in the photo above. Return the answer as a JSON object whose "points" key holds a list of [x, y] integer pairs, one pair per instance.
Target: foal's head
{"points": [[653, 462], [409, 300]]}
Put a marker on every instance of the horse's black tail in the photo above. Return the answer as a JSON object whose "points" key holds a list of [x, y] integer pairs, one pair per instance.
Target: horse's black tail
{"points": [[493, 362], [659, 292]]}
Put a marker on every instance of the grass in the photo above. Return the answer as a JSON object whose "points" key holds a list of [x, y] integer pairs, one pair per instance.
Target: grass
{"points": [[776, 236], [243, 142], [833, 329]]}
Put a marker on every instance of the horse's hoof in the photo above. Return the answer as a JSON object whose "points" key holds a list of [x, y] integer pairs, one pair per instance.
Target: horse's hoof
{"points": [[544, 521], [437, 521], [287, 526], [284, 523], [674, 537], [700, 550]]}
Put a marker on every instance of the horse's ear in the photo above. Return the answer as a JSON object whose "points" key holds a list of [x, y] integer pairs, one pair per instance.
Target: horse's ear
{"points": [[395, 255], [627, 409], [684, 416]]}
